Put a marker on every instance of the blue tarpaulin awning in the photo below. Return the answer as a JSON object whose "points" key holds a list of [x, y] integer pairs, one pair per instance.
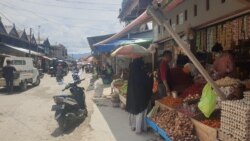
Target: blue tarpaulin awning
{"points": [[111, 46]]}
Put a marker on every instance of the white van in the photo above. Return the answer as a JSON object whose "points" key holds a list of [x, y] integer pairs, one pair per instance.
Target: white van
{"points": [[26, 72]]}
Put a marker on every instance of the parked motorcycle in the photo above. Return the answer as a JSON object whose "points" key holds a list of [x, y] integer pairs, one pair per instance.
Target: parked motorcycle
{"points": [[70, 109]]}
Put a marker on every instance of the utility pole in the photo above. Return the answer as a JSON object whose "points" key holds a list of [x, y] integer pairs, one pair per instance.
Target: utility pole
{"points": [[38, 36], [30, 42]]}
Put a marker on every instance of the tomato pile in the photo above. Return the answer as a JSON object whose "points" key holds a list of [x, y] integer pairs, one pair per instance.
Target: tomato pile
{"points": [[193, 90], [215, 123]]}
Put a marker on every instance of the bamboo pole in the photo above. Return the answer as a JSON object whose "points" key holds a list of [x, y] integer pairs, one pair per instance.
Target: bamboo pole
{"points": [[159, 18]]}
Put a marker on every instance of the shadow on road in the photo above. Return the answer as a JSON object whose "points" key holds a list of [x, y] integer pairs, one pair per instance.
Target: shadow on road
{"points": [[58, 132], [16, 90]]}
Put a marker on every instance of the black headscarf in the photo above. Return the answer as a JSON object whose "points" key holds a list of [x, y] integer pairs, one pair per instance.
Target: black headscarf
{"points": [[217, 47], [139, 88]]}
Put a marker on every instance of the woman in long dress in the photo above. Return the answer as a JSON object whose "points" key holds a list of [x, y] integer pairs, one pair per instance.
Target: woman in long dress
{"points": [[138, 95]]}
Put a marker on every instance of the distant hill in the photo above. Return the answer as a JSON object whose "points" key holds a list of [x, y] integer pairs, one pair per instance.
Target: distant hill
{"points": [[77, 56]]}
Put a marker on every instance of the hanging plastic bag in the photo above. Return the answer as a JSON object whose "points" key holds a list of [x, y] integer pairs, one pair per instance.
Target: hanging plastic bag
{"points": [[155, 86], [207, 102]]}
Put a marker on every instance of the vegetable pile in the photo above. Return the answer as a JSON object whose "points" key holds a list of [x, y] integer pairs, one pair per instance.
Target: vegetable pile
{"points": [[227, 81], [193, 90], [177, 126], [118, 83], [188, 112], [191, 98], [123, 89], [170, 101], [215, 123]]}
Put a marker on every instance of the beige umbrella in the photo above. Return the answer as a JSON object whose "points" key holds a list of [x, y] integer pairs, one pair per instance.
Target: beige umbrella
{"points": [[131, 51]]}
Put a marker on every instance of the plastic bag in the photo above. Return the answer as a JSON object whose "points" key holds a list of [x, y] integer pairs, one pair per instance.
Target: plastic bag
{"points": [[155, 86], [207, 102]]}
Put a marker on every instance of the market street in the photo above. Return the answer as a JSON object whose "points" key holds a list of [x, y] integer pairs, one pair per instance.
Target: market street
{"points": [[27, 116]]}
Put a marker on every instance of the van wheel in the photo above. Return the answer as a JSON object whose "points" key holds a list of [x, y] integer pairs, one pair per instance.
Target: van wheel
{"points": [[37, 82], [23, 85]]}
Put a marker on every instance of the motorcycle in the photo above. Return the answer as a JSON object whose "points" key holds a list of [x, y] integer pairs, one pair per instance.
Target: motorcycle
{"points": [[72, 108]]}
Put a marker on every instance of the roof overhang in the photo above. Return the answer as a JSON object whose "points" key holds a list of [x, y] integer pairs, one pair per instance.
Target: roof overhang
{"points": [[143, 18]]}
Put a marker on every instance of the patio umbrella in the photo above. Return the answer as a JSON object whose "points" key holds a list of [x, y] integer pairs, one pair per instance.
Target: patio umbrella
{"points": [[90, 59], [131, 51]]}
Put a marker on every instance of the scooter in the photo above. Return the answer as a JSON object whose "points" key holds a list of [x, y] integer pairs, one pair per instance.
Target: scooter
{"points": [[70, 109]]}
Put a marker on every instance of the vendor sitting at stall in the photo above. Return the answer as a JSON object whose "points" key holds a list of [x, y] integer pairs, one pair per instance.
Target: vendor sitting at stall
{"points": [[224, 64]]}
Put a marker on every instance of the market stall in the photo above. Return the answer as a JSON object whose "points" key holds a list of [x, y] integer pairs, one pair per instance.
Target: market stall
{"points": [[188, 105], [120, 91], [216, 109]]}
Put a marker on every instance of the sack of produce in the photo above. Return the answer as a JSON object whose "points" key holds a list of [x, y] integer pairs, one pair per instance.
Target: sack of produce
{"points": [[232, 88], [98, 88], [208, 101]]}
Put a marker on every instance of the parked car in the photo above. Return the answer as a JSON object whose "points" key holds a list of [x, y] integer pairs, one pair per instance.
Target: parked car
{"points": [[26, 72]]}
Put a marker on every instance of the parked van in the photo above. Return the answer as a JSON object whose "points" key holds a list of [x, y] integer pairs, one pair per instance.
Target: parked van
{"points": [[26, 72]]}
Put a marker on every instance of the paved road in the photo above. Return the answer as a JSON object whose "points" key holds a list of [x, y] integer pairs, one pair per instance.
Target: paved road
{"points": [[26, 116]]}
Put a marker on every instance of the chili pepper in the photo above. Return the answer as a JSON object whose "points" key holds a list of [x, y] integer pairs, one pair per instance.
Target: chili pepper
{"points": [[170, 101], [215, 123], [193, 90]]}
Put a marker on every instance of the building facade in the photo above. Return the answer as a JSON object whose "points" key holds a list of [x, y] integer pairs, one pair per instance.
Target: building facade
{"points": [[58, 51], [21, 41], [191, 16]]}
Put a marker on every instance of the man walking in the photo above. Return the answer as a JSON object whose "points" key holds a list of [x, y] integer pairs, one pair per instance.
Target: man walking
{"points": [[8, 74]]}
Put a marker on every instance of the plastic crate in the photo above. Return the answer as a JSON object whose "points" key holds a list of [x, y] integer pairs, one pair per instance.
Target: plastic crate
{"points": [[157, 129], [151, 124], [163, 134]]}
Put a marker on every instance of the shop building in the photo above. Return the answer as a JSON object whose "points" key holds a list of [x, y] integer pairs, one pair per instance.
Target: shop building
{"points": [[192, 18]]}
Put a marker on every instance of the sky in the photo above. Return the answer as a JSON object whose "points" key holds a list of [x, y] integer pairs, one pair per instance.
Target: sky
{"points": [[68, 22]]}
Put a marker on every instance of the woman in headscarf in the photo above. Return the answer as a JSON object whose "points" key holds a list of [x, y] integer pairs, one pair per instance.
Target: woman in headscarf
{"points": [[138, 95]]}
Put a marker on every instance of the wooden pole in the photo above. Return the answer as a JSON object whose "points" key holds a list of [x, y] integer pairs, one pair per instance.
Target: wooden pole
{"points": [[159, 18], [30, 42]]}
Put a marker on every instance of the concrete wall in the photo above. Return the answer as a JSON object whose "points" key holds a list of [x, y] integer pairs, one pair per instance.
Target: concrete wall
{"points": [[217, 9]]}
